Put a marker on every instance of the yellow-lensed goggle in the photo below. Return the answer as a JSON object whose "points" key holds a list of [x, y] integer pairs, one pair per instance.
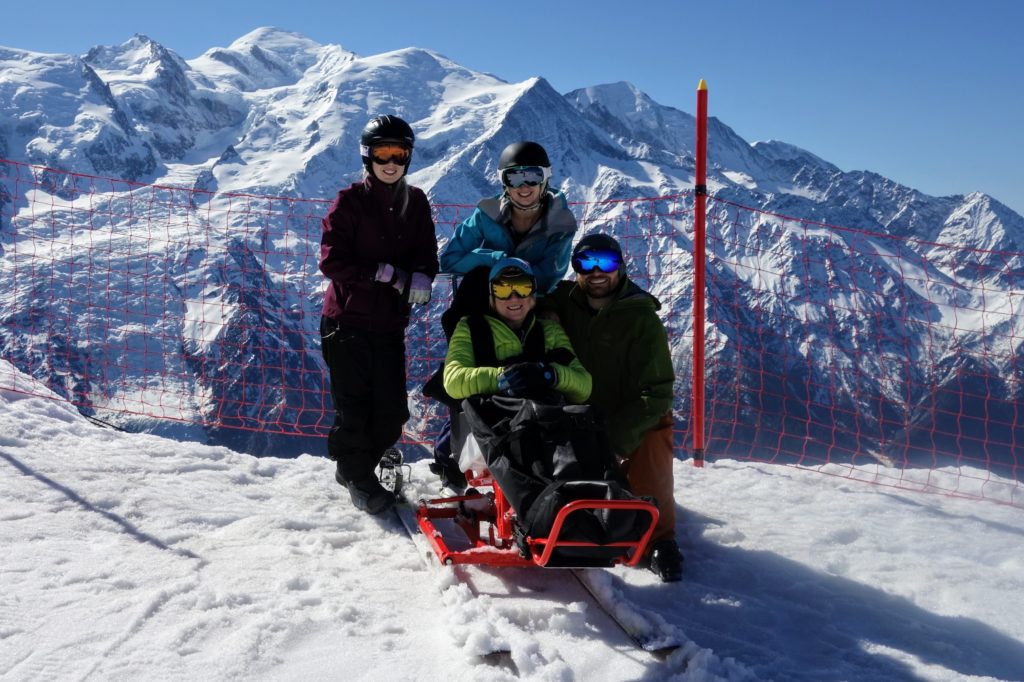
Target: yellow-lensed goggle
{"points": [[503, 289]]}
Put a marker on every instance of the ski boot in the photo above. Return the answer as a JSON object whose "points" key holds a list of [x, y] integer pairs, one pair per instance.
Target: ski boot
{"points": [[392, 472]]}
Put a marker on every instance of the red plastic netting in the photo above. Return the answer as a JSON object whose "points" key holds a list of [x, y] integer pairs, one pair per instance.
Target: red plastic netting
{"points": [[874, 356]]}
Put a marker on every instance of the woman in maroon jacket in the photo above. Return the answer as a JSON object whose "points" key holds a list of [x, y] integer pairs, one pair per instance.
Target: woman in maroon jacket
{"points": [[379, 252]]}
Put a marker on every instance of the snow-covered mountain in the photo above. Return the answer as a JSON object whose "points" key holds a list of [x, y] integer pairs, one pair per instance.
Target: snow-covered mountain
{"points": [[276, 114]]}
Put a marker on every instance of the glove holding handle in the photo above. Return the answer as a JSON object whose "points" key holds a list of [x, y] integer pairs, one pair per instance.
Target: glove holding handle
{"points": [[526, 379]]}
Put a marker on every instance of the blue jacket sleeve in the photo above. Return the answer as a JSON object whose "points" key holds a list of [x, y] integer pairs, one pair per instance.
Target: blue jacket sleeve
{"points": [[472, 245], [551, 268]]}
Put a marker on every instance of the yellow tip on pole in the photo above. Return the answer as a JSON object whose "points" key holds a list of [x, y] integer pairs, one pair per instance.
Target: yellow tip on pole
{"points": [[702, 85]]}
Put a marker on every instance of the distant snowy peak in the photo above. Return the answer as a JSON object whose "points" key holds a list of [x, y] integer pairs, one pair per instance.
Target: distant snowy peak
{"points": [[989, 208], [411, 82], [286, 46], [620, 99], [28, 81], [265, 58], [306, 132], [981, 222], [56, 111], [138, 56], [626, 112], [142, 71], [166, 100]]}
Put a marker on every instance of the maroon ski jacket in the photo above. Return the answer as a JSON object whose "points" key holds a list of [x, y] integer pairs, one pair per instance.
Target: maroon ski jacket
{"points": [[362, 229]]}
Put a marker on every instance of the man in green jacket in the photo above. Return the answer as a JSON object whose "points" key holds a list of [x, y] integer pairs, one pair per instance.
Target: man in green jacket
{"points": [[615, 330]]}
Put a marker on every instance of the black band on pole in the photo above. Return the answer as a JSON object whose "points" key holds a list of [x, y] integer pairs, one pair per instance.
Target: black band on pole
{"points": [[700, 190]]}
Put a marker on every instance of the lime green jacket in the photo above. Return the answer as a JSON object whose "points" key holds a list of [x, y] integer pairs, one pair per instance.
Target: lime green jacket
{"points": [[625, 348], [463, 378]]}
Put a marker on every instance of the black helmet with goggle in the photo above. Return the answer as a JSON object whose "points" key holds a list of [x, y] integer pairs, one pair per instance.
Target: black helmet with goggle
{"points": [[386, 139], [524, 163]]}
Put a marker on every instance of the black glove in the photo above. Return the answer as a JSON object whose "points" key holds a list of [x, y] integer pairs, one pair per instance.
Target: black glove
{"points": [[526, 379]]}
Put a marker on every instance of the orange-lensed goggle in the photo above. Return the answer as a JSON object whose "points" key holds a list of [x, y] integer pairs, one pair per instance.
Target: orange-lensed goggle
{"points": [[390, 153], [503, 289]]}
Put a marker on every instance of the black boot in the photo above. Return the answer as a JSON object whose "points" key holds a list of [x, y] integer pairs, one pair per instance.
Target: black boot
{"points": [[369, 495], [449, 473], [666, 561]]}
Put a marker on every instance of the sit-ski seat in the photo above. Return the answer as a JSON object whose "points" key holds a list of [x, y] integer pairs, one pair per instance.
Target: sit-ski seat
{"points": [[545, 491]]}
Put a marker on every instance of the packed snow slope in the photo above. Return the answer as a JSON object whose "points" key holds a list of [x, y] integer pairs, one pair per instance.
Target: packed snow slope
{"points": [[132, 557]]}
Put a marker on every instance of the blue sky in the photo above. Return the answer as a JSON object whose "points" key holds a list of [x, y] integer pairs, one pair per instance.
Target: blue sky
{"points": [[930, 94]]}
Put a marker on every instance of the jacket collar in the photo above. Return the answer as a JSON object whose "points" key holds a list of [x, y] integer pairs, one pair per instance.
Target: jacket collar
{"points": [[628, 294], [555, 214], [379, 190]]}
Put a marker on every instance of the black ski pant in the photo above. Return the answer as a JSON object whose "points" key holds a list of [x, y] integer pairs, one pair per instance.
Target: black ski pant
{"points": [[367, 372]]}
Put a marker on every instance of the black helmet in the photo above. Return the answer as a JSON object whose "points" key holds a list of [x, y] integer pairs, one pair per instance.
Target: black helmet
{"points": [[523, 154], [385, 128], [597, 242]]}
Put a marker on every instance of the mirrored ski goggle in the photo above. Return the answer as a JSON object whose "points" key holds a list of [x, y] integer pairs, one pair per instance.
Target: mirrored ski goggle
{"points": [[605, 261], [390, 153], [517, 176], [522, 286]]}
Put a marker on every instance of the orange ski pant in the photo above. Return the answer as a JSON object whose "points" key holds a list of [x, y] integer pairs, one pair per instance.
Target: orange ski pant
{"points": [[649, 472]]}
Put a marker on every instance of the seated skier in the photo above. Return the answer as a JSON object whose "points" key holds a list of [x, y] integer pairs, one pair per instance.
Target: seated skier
{"points": [[514, 374], [533, 357]]}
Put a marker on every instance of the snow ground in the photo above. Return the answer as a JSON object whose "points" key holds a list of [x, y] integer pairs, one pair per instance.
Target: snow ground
{"points": [[133, 557]]}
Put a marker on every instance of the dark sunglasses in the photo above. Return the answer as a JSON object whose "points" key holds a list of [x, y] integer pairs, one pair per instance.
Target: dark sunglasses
{"points": [[605, 261], [390, 153], [503, 289], [517, 176]]}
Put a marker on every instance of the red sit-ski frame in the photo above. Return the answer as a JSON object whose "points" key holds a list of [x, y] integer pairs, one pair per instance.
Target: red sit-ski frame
{"points": [[498, 547]]}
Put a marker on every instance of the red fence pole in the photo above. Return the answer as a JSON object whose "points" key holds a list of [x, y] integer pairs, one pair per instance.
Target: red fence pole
{"points": [[699, 214]]}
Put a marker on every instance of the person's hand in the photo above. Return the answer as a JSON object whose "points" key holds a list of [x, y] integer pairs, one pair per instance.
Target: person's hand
{"points": [[419, 289], [389, 274], [526, 379]]}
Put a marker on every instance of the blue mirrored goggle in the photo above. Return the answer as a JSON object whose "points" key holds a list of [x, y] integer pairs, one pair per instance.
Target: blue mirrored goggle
{"points": [[605, 261], [517, 176]]}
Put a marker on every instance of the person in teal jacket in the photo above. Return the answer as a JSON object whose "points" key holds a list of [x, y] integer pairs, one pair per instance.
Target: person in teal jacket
{"points": [[528, 220], [512, 289]]}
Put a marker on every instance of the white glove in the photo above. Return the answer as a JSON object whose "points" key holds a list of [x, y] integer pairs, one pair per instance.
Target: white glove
{"points": [[419, 290]]}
